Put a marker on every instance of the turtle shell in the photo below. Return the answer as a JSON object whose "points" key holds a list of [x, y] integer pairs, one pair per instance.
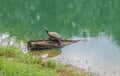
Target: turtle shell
{"points": [[54, 35]]}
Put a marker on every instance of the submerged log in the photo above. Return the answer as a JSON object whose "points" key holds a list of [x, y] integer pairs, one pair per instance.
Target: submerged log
{"points": [[48, 44]]}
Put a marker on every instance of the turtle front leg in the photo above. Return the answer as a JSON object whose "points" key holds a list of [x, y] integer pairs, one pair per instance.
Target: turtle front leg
{"points": [[59, 42], [49, 38]]}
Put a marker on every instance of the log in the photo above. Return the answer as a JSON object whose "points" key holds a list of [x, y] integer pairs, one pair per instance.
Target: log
{"points": [[48, 44]]}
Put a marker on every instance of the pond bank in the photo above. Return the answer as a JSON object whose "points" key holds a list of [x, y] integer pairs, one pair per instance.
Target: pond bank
{"points": [[15, 63]]}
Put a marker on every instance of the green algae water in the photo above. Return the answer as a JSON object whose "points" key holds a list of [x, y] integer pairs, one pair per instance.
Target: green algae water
{"points": [[26, 20]]}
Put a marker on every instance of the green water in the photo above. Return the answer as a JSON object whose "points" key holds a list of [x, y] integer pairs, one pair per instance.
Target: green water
{"points": [[27, 19]]}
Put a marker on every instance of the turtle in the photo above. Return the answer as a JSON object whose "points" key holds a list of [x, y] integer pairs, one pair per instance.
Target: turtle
{"points": [[54, 36]]}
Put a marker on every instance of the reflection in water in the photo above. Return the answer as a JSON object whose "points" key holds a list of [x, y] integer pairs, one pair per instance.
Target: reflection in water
{"points": [[99, 55], [7, 40]]}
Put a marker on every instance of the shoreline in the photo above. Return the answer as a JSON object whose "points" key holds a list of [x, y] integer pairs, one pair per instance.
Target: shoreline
{"points": [[20, 62], [72, 67]]}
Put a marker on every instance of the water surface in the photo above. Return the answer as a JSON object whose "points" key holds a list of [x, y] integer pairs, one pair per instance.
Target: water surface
{"points": [[99, 55]]}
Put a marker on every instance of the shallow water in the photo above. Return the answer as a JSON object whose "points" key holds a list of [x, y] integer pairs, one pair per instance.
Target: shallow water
{"points": [[48, 53], [100, 55]]}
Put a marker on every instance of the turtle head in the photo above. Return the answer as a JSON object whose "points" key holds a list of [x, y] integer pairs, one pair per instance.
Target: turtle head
{"points": [[46, 30]]}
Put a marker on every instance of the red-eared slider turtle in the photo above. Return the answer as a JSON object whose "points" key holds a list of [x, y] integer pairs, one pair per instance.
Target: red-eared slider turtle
{"points": [[53, 36]]}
